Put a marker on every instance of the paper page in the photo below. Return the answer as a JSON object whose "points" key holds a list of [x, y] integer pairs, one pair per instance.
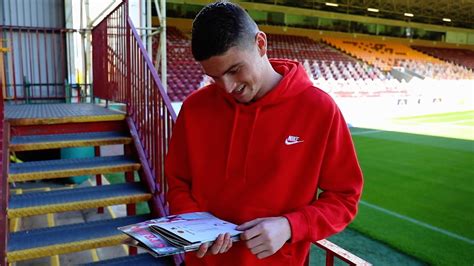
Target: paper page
{"points": [[155, 243], [198, 228]]}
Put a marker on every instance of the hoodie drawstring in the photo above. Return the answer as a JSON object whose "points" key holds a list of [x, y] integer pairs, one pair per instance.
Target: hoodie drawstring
{"points": [[257, 112], [234, 126], [249, 142]]}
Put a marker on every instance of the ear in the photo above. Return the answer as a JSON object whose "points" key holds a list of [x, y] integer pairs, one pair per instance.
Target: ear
{"points": [[261, 40]]}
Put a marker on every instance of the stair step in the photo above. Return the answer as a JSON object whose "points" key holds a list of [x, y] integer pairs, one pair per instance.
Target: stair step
{"points": [[32, 244], [41, 142], [144, 259], [37, 203], [46, 114], [70, 167]]}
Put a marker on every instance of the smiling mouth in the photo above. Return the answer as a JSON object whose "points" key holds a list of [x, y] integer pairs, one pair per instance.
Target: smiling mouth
{"points": [[239, 90]]}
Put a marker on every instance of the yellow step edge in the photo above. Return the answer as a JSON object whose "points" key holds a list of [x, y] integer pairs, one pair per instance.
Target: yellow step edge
{"points": [[68, 144], [15, 223], [113, 215], [65, 248], [63, 120], [28, 190], [55, 261], [80, 205], [73, 172], [94, 255]]}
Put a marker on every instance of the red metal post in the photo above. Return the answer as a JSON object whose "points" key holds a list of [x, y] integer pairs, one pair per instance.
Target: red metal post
{"points": [[333, 250], [63, 69], [98, 177], [329, 258], [4, 136], [47, 64]]}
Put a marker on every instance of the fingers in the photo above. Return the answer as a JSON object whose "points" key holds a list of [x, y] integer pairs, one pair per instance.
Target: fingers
{"points": [[264, 254], [254, 242], [227, 244], [267, 235], [248, 224], [258, 249], [216, 247], [221, 245], [202, 250], [252, 232]]}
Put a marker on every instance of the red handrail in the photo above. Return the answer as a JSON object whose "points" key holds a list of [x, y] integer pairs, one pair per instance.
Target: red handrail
{"points": [[334, 251], [4, 182], [124, 73]]}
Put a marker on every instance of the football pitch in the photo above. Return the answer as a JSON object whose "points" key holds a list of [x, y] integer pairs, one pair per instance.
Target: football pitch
{"points": [[418, 194]]}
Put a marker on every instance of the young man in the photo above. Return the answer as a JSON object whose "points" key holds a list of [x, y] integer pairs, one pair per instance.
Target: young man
{"points": [[260, 147]]}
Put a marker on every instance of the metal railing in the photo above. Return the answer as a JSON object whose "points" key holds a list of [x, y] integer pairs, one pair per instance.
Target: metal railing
{"points": [[4, 183], [34, 63], [123, 72], [334, 251]]}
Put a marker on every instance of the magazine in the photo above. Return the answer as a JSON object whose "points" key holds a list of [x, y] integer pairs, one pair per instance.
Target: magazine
{"points": [[178, 233]]}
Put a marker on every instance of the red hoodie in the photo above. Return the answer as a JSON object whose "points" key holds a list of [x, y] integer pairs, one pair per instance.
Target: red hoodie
{"points": [[264, 159]]}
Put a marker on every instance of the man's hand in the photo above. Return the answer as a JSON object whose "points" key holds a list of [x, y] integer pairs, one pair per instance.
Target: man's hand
{"points": [[222, 244], [265, 236]]}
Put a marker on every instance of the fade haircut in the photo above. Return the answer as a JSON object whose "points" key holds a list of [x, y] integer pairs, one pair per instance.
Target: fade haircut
{"points": [[220, 26]]}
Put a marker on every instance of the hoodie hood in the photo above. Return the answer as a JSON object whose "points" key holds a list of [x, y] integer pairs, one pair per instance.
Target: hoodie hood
{"points": [[294, 81]]}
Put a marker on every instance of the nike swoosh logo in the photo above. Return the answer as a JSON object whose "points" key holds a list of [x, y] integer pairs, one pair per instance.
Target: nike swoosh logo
{"points": [[292, 142]]}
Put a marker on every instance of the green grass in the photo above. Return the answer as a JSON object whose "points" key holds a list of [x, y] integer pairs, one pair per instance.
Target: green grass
{"points": [[429, 179], [459, 125], [451, 117], [365, 247]]}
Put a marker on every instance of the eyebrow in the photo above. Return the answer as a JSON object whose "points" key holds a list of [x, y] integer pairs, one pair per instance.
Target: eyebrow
{"points": [[225, 72]]}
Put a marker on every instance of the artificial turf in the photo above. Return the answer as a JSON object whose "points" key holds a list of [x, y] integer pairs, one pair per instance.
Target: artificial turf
{"points": [[426, 186]]}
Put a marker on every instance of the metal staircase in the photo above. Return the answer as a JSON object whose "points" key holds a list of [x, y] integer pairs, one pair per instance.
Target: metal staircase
{"points": [[38, 128]]}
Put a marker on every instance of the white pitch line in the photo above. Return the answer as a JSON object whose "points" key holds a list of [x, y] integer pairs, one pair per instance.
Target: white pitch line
{"points": [[420, 223], [366, 132]]}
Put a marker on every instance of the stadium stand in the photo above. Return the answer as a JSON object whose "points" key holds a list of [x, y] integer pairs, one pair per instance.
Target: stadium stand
{"points": [[380, 54], [184, 74], [461, 57], [387, 55], [331, 70], [342, 67], [321, 60]]}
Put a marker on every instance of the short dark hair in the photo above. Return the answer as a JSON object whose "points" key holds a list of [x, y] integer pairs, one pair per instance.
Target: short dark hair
{"points": [[220, 26]]}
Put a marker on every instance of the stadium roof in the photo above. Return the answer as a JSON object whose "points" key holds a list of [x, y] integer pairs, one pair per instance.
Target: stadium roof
{"points": [[460, 12]]}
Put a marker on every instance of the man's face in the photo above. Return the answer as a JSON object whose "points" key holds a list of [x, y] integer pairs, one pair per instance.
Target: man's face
{"points": [[238, 71]]}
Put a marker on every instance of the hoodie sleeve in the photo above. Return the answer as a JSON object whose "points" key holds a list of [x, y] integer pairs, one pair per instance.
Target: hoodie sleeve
{"points": [[341, 184], [177, 171]]}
